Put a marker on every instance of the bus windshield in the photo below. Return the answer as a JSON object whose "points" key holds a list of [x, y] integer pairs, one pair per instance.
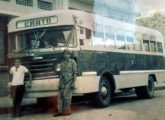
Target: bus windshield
{"points": [[53, 37]]}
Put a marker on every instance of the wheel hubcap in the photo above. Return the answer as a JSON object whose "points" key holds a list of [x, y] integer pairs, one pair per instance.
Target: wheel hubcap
{"points": [[104, 91]]}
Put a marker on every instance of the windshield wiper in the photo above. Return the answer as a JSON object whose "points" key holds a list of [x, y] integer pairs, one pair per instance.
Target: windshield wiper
{"points": [[69, 36]]}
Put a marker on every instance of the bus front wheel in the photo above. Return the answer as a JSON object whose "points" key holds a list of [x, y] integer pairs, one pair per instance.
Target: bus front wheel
{"points": [[146, 92], [103, 97]]}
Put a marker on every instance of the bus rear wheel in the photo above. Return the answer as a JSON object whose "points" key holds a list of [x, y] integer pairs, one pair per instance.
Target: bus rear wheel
{"points": [[146, 92], [103, 97]]}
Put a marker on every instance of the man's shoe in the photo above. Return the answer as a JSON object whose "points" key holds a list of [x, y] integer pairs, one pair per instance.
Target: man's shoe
{"points": [[17, 115], [66, 114], [67, 111], [56, 114]]}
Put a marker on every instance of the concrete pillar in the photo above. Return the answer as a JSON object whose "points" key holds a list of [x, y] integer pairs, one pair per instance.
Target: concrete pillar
{"points": [[65, 4], [35, 3]]}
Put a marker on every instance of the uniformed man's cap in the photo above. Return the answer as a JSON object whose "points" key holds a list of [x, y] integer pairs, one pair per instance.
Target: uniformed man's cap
{"points": [[67, 51]]}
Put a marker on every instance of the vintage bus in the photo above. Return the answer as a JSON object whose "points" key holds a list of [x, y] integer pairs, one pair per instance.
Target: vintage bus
{"points": [[111, 55]]}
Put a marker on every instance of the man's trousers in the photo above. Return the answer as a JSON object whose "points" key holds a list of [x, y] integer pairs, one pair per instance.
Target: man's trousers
{"points": [[65, 99], [17, 93]]}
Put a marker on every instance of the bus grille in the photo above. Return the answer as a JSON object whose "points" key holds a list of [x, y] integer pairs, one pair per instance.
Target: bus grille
{"points": [[41, 69]]}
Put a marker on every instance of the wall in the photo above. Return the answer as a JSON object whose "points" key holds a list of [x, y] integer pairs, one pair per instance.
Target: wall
{"points": [[13, 9], [4, 79], [80, 5], [3, 37]]}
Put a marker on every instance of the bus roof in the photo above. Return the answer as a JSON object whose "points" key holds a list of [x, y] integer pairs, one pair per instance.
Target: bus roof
{"points": [[73, 17]]}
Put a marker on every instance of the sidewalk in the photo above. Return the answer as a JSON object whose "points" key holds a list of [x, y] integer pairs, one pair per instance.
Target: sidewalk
{"points": [[6, 103]]}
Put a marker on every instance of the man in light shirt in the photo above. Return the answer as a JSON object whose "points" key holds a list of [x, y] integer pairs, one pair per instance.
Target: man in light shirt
{"points": [[17, 87]]}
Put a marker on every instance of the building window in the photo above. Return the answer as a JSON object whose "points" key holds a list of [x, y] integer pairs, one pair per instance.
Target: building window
{"points": [[5, 0], [45, 5], [25, 2]]}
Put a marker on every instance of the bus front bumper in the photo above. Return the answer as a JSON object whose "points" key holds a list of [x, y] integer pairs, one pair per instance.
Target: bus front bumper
{"points": [[41, 88]]}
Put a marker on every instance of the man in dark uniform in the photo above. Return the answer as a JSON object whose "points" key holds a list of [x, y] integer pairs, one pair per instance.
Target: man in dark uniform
{"points": [[68, 72]]}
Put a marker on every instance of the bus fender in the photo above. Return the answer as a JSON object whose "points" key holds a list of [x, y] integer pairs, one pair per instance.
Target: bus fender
{"points": [[111, 79]]}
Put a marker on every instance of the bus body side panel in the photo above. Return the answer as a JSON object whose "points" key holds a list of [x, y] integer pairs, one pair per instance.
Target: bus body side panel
{"points": [[87, 83], [160, 77], [87, 80], [129, 80], [114, 62]]}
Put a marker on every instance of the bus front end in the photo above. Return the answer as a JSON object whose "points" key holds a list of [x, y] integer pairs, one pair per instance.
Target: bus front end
{"points": [[39, 44]]}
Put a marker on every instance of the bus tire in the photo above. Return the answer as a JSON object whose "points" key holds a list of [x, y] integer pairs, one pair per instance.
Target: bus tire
{"points": [[103, 97], [146, 92]]}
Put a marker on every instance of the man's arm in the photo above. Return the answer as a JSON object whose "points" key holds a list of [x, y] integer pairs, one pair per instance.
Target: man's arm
{"points": [[29, 83], [30, 76], [11, 74], [74, 75], [60, 82], [74, 79]]}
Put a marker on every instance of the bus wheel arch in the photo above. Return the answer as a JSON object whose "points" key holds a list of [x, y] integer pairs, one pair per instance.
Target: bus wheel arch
{"points": [[147, 92], [154, 77], [106, 90], [111, 80]]}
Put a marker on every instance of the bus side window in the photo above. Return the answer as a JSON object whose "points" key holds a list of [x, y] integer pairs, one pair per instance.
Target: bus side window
{"points": [[110, 40], [87, 39], [120, 42], [81, 42], [138, 42], [81, 30], [152, 43], [146, 46], [98, 39], [130, 42], [153, 46], [88, 33], [159, 47]]}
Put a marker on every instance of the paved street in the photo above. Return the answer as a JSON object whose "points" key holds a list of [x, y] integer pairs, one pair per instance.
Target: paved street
{"points": [[122, 108]]}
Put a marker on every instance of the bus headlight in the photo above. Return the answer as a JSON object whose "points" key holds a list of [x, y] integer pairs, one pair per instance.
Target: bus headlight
{"points": [[58, 68]]}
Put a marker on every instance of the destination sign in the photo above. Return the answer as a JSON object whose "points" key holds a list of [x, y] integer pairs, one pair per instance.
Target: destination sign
{"points": [[37, 22]]}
